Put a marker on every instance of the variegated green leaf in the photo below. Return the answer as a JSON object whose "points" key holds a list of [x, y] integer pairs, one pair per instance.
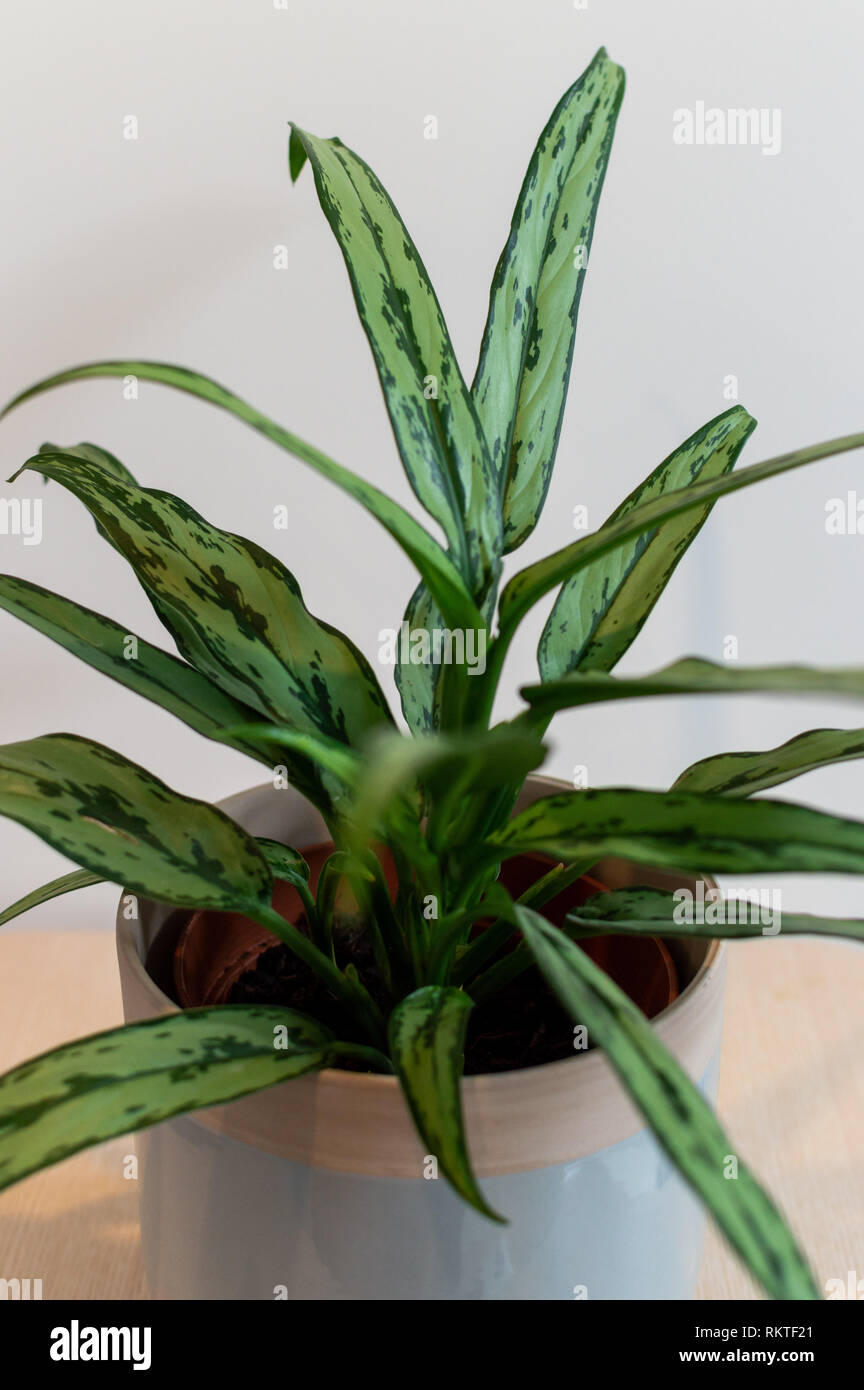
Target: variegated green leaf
{"points": [[93, 453], [119, 821], [67, 883], [681, 1119], [433, 685], [435, 566], [285, 862], [235, 611], [603, 607], [694, 676], [427, 1043], [437, 681], [742, 774], [157, 675], [442, 445], [417, 681], [684, 830], [521, 382], [652, 912], [530, 584], [128, 1078], [117, 652]]}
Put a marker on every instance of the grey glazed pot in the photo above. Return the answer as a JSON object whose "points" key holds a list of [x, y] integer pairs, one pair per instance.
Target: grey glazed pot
{"points": [[315, 1189]]}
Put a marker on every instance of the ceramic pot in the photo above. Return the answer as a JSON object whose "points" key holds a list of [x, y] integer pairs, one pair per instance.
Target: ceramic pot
{"points": [[318, 1189]]}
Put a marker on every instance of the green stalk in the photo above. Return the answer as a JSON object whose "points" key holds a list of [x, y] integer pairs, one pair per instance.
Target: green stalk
{"points": [[316, 926], [381, 922], [427, 880], [373, 896], [480, 707], [502, 973], [514, 964], [447, 938], [351, 993], [496, 936], [452, 695]]}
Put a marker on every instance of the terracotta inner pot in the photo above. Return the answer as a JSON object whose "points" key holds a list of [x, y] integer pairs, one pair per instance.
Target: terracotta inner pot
{"points": [[214, 949]]}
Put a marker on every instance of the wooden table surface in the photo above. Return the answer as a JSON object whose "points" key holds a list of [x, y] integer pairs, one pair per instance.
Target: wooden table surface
{"points": [[791, 1095]]}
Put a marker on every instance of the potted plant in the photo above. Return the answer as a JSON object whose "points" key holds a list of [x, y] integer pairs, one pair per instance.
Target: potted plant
{"points": [[481, 985]]}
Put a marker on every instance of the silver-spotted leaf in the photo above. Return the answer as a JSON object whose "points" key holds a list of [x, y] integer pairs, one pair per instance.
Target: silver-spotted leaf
{"points": [[684, 830], [530, 584], [427, 1043], [117, 820], [653, 912], [235, 611], [603, 607], [111, 648], [680, 1117], [520, 386], [174, 685], [442, 445], [285, 863], [742, 774], [128, 1078], [432, 562], [93, 453], [418, 680]]}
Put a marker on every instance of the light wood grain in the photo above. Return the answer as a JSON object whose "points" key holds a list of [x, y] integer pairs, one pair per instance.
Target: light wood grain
{"points": [[791, 1095], [75, 1226]]}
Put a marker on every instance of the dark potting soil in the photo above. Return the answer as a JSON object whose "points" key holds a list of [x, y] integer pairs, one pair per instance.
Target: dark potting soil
{"points": [[522, 1026]]}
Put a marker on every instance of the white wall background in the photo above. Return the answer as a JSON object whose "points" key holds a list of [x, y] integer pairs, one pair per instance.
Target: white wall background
{"points": [[708, 261]]}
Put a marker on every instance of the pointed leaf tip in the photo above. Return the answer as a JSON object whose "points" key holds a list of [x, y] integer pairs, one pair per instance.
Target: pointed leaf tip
{"points": [[296, 155], [520, 385], [602, 609], [426, 1033]]}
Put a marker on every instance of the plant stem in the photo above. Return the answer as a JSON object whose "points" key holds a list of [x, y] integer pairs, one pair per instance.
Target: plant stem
{"points": [[480, 707], [517, 961], [447, 937], [380, 922], [496, 936], [316, 926], [351, 993]]}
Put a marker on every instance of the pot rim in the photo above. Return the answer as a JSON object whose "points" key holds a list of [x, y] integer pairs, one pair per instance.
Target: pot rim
{"points": [[357, 1122], [711, 964], [381, 1081]]}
